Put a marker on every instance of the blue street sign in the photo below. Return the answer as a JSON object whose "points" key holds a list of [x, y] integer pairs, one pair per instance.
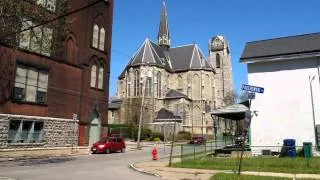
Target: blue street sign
{"points": [[252, 88]]}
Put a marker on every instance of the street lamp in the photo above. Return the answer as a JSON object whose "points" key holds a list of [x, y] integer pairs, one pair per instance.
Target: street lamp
{"points": [[312, 104]]}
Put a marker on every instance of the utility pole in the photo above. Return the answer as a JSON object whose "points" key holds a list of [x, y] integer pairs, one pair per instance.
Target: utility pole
{"points": [[313, 114], [141, 110]]}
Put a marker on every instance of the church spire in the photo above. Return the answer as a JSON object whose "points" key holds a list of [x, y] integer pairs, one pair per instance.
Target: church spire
{"points": [[163, 34]]}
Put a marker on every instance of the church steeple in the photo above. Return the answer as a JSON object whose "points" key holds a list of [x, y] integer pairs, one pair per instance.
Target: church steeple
{"points": [[163, 34]]}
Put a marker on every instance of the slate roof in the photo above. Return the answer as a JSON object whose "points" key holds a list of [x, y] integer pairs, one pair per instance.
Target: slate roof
{"points": [[164, 114], [115, 104], [176, 59], [291, 45], [174, 94]]}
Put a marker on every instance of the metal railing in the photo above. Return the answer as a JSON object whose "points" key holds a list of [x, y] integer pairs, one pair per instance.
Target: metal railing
{"points": [[193, 151]]}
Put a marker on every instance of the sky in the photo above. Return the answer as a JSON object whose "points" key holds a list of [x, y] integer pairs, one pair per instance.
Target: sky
{"points": [[197, 21]]}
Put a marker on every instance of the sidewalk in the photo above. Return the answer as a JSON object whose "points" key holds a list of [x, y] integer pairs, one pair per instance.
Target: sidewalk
{"points": [[160, 169]]}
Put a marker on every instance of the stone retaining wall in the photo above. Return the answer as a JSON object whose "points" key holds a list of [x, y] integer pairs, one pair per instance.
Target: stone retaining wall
{"points": [[56, 132]]}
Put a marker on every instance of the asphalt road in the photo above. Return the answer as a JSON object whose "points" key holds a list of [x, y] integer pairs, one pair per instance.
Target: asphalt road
{"points": [[113, 166]]}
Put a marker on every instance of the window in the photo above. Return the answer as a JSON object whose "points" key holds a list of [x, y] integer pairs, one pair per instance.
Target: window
{"points": [[129, 85], [149, 87], [159, 84], [136, 83], [98, 37], [93, 76], [218, 60], [100, 78], [37, 39], [95, 36], [30, 85], [48, 4], [102, 39], [25, 131], [180, 83], [112, 113], [196, 91]]}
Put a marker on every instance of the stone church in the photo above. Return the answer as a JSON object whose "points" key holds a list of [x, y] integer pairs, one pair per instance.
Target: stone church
{"points": [[165, 86]]}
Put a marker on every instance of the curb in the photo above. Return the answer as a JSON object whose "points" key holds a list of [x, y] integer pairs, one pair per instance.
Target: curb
{"points": [[149, 173], [142, 170]]}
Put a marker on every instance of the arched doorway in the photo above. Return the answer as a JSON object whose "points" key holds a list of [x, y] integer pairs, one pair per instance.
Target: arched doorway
{"points": [[94, 132]]}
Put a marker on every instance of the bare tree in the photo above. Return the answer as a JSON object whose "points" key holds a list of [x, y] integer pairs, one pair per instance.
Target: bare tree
{"points": [[233, 97], [19, 20]]}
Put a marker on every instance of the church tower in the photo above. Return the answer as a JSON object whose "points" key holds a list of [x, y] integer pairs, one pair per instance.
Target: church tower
{"points": [[163, 34], [220, 60]]}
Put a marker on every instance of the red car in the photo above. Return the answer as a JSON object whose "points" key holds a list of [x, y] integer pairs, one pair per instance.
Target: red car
{"points": [[198, 140], [110, 144]]}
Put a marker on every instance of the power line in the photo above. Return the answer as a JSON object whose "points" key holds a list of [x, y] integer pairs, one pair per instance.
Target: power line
{"points": [[53, 19]]}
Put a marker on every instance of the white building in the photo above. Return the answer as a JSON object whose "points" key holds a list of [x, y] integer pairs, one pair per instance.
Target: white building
{"points": [[283, 67]]}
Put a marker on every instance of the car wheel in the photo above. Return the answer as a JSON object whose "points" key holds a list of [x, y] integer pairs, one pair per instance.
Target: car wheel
{"points": [[123, 150], [107, 151]]}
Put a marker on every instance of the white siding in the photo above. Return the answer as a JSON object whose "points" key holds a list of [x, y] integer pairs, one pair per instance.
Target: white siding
{"points": [[284, 110]]}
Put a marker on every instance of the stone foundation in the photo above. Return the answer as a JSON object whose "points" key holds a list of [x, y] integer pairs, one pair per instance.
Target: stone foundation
{"points": [[56, 132]]}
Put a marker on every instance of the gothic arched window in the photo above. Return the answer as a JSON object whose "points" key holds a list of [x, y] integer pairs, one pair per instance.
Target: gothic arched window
{"points": [[159, 84], [102, 39], [95, 36], [149, 87], [136, 83], [207, 88], [180, 83], [218, 60], [98, 37], [196, 89], [100, 78], [93, 75]]}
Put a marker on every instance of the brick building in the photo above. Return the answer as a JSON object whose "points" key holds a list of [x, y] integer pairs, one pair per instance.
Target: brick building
{"points": [[48, 73]]}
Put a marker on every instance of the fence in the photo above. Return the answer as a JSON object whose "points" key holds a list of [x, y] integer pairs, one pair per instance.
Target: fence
{"points": [[193, 151]]}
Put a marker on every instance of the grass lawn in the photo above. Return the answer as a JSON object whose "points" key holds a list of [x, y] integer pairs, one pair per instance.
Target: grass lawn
{"points": [[223, 176], [262, 164]]}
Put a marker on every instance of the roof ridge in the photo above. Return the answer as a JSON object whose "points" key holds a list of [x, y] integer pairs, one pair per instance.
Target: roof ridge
{"points": [[284, 37], [183, 46]]}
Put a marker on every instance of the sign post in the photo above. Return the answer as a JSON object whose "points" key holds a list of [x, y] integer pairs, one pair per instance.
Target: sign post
{"points": [[248, 115], [74, 118]]}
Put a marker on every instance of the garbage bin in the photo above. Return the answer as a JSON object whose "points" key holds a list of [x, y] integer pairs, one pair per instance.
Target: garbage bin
{"points": [[307, 149], [290, 147]]}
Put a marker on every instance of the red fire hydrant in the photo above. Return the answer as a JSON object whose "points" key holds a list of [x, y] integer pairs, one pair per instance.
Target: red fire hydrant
{"points": [[154, 153]]}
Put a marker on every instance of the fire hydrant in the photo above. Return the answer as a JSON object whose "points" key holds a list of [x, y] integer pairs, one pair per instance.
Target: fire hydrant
{"points": [[154, 153]]}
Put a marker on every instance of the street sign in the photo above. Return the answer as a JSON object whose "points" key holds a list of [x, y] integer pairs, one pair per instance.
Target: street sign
{"points": [[252, 88], [251, 95]]}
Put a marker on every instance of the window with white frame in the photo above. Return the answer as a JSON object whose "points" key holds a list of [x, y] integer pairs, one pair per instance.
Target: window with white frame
{"points": [[98, 37], [31, 85], [102, 39], [21, 131], [38, 39], [97, 76], [100, 78], [95, 36]]}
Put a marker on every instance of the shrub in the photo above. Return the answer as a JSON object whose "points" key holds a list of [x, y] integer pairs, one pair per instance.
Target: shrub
{"points": [[156, 139], [183, 135], [157, 135]]}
